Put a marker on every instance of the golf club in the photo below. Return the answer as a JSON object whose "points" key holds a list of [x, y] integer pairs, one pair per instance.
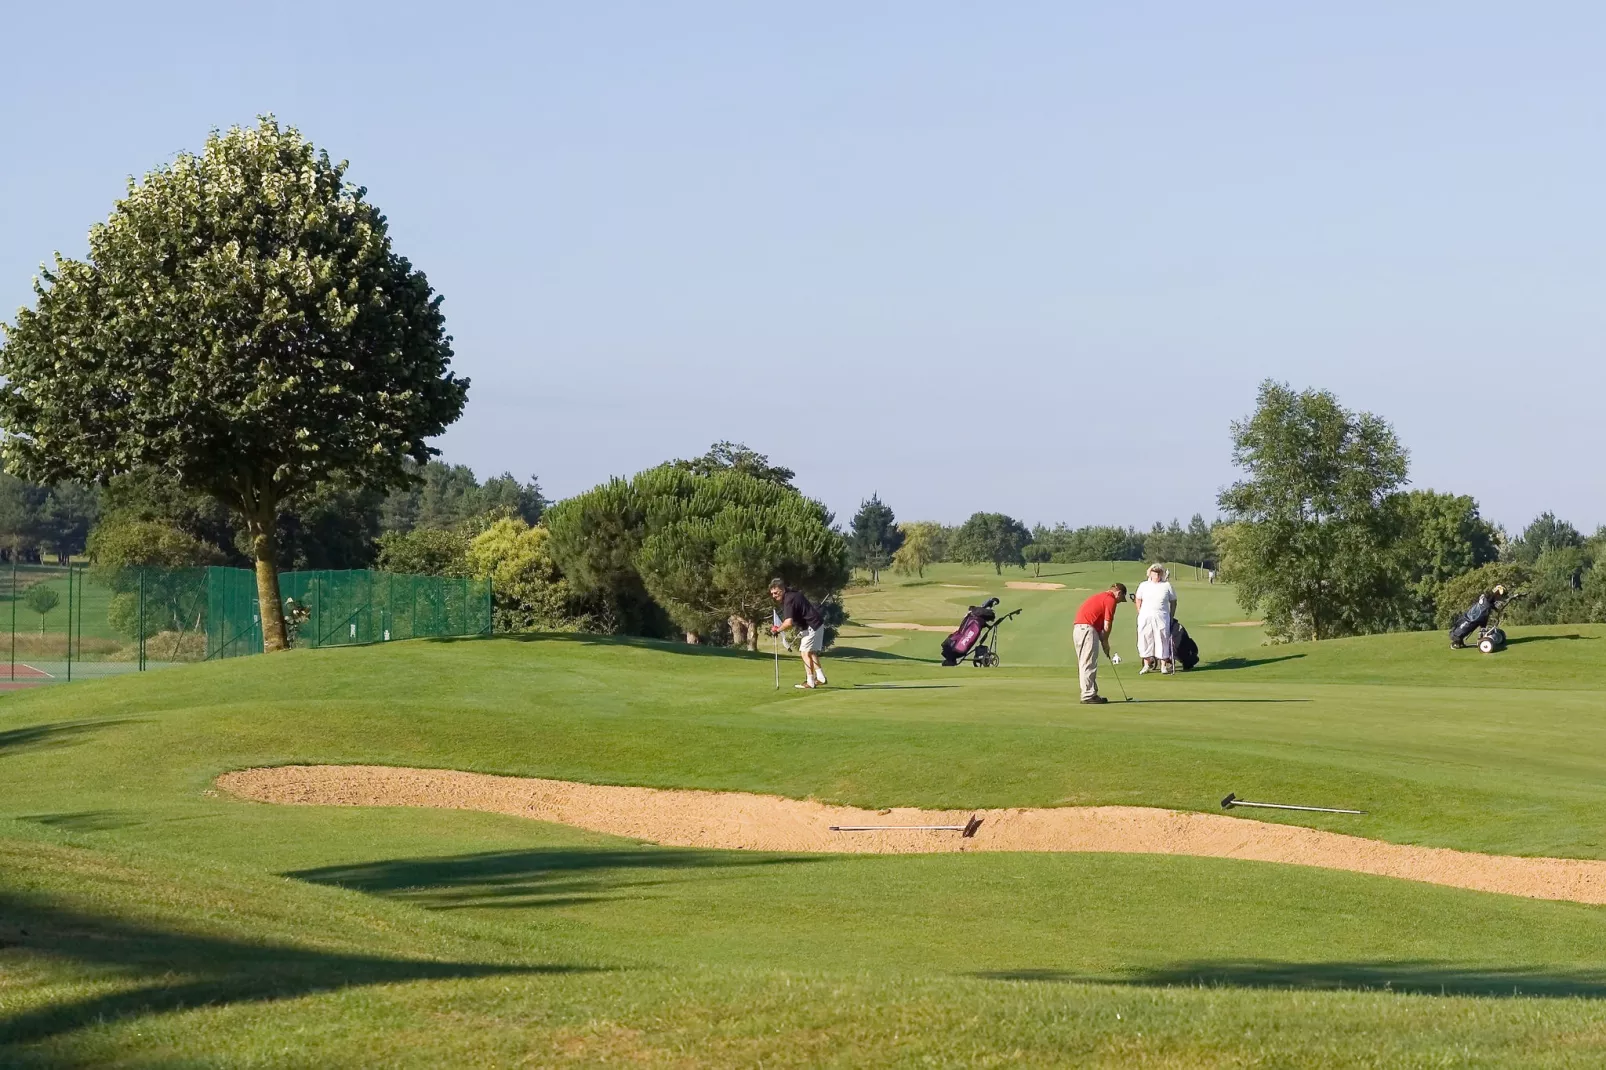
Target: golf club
{"points": [[1232, 800], [967, 830], [1115, 667]]}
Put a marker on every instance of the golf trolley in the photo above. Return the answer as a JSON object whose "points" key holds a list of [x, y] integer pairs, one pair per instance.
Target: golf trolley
{"points": [[1484, 615], [976, 639]]}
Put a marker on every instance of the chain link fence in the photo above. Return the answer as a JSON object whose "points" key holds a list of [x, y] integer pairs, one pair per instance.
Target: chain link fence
{"points": [[74, 622]]}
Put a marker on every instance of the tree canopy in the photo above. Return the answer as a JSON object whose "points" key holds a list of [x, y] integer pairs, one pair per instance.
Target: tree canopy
{"points": [[924, 542], [1312, 542], [243, 324], [700, 548], [737, 456], [873, 536], [991, 537]]}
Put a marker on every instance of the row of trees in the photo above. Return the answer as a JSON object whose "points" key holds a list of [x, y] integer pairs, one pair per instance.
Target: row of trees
{"points": [[1322, 540], [876, 540]]}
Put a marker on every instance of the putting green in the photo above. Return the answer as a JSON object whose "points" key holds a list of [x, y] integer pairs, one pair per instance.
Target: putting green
{"points": [[146, 919]]}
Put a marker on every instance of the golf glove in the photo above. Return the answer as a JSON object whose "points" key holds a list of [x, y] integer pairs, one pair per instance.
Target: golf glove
{"points": [[1115, 659], [775, 629]]}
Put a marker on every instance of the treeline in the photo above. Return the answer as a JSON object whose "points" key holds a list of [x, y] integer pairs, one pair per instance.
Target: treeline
{"points": [[876, 541], [147, 518]]}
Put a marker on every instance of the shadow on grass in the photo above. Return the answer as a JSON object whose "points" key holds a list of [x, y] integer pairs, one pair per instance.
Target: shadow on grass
{"points": [[1422, 977], [668, 646], [1215, 701], [170, 971], [901, 687], [1243, 663], [58, 734], [553, 876], [1546, 638], [85, 820]]}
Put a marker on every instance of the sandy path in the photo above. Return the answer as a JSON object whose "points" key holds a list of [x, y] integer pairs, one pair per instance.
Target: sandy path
{"points": [[1028, 585], [739, 821], [895, 625]]}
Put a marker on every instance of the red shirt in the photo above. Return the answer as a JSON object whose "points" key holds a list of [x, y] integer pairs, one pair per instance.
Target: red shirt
{"points": [[1098, 610]]}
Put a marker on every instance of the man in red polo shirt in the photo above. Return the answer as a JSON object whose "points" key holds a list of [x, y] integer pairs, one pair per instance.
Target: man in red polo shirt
{"points": [[1091, 631]]}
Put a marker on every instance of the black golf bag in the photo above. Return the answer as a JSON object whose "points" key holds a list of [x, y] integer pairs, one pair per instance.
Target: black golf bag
{"points": [[1183, 648], [975, 638], [1483, 616]]}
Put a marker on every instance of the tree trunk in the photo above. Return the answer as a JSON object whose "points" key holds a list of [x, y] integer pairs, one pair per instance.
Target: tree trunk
{"points": [[265, 548], [743, 633], [693, 638], [752, 634]]}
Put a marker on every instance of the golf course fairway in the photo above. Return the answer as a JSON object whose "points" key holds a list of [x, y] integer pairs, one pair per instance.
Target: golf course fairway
{"points": [[148, 918]]}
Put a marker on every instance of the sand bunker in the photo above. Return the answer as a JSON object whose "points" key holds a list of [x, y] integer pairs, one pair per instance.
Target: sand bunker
{"points": [[960, 586], [894, 625], [1238, 624], [1028, 585], [739, 821]]}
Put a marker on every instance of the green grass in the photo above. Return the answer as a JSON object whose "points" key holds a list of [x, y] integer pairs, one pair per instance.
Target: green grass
{"points": [[145, 920]]}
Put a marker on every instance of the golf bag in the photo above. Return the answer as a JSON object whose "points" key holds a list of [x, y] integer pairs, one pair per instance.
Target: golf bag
{"points": [[1484, 617], [1183, 648], [975, 639]]}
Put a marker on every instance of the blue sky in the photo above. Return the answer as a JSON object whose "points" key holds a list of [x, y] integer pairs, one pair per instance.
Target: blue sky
{"points": [[1029, 257]]}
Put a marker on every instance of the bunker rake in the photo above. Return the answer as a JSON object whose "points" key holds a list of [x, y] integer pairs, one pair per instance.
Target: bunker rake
{"points": [[967, 830], [1232, 800]]}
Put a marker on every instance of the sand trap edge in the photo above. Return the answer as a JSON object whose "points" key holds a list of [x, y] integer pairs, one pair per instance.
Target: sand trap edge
{"points": [[743, 821]]}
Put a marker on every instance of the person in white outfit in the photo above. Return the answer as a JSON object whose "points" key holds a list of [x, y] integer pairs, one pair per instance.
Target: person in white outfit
{"points": [[1156, 601]]}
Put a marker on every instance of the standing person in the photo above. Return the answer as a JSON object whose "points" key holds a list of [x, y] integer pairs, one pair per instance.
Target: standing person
{"points": [[1091, 631], [804, 618], [1157, 601]]}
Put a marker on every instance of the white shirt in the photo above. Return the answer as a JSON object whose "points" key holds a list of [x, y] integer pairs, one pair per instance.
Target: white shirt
{"points": [[1156, 597]]}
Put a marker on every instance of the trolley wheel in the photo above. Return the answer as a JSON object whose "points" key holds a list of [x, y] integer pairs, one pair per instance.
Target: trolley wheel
{"points": [[996, 662], [1486, 645]]}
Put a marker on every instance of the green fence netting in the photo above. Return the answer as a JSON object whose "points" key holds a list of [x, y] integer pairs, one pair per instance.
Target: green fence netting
{"points": [[69, 622]]}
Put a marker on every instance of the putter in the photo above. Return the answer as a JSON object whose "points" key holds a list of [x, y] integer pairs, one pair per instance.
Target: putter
{"points": [[1232, 800], [1116, 669], [967, 830]]}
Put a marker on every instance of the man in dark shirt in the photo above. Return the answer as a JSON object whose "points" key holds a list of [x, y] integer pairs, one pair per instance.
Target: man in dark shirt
{"points": [[797, 613]]}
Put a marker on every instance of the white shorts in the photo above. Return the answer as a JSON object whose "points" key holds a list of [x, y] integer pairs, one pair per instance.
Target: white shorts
{"points": [[811, 640], [1154, 636]]}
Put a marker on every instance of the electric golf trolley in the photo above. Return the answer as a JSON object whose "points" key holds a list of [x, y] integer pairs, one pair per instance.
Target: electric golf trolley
{"points": [[976, 639]]}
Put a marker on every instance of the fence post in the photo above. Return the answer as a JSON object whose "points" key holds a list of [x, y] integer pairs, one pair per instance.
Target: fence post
{"points": [[69, 624], [82, 573]]}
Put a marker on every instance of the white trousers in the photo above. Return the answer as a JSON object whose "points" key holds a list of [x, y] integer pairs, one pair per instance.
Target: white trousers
{"points": [[1154, 636]]}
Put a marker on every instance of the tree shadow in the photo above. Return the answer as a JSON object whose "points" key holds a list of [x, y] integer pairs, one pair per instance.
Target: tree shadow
{"points": [[176, 971], [544, 877], [668, 646], [1419, 976], [1243, 663], [901, 687], [85, 820], [1515, 641], [1216, 701], [57, 734], [864, 653]]}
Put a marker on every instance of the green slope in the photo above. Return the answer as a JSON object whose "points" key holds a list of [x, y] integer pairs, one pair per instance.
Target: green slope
{"points": [[144, 920]]}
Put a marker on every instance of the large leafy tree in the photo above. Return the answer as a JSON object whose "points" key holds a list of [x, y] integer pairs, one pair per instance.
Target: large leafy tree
{"points": [[874, 536], [1313, 543], [991, 537], [242, 324], [1443, 537]]}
